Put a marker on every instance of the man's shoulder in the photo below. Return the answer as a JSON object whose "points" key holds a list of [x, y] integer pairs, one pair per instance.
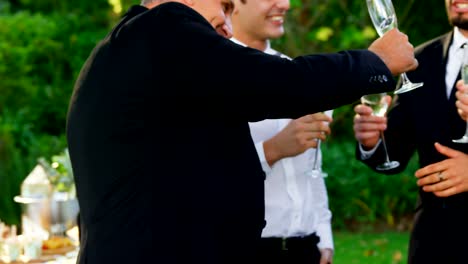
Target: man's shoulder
{"points": [[142, 23], [175, 11], [434, 44], [280, 54]]}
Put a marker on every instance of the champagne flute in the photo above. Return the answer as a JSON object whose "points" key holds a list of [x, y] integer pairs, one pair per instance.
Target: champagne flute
{"points": [[379, 106], [316, 170], [464, 74], [383, 17]]}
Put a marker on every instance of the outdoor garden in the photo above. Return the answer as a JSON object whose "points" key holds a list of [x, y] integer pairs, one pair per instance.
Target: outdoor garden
{"points": [[43, 45]]}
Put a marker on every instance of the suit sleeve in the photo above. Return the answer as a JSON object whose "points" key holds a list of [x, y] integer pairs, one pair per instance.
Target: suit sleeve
{"points": [[261, 86]]}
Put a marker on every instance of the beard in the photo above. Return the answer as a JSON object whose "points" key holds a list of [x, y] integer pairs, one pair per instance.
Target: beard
{"points": [[460, 22]]}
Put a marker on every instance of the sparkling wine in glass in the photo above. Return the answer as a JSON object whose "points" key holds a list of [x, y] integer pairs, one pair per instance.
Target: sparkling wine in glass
{"points": [[464, 74], [383, 17], [379, 106], [316, 170]]}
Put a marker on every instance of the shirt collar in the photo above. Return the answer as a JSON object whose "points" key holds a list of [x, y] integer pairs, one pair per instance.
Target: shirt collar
{"points": [[238, 42], [268, 49], [458, 38]]}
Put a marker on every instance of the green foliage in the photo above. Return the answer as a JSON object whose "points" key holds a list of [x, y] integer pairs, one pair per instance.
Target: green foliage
{"points": [[420, 24], [359, 196], [40, 56], [10, 159], [127, 3], [92, 12], [370, 248], [60, 173], [19, 149], [327, 26]]}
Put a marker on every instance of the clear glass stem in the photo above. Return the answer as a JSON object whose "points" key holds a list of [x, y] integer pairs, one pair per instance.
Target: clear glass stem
{"points": [[314, 167], [407, 85], [387, 159], [464, 139], [405, 79]]}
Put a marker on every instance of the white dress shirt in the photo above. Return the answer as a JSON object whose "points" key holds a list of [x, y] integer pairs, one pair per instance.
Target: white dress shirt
{"points": [[295, 203], [453, 67], [454, 60]]}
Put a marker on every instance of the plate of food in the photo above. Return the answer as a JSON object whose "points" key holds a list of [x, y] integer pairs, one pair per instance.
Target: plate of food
{"points": [[57, 245]]}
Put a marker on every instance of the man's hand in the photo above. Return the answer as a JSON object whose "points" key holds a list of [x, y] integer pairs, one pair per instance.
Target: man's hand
{"points": [[445, 178], [462, 100], [326, 256], [367, 127], [395, 51], [298, 136]]}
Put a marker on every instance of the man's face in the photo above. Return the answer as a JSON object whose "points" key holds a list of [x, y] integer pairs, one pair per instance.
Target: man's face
{"points": [[218, 13], [457, 11], [260, 19]]}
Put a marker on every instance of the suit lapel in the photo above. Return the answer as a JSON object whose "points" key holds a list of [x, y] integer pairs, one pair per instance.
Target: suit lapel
{"points": [[440, 87], [435, 96], [439, 91], [445, 45]]}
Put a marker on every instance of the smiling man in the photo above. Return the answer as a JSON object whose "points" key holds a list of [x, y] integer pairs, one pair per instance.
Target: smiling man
{"points": [[298, 229], [417, 121]]}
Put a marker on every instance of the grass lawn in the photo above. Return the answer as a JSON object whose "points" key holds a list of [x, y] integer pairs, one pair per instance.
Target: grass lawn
{"points": [[371, 248]]}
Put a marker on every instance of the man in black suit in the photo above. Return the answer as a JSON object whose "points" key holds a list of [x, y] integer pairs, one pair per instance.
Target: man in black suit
{"points": [[416, 122], [152, 106]]}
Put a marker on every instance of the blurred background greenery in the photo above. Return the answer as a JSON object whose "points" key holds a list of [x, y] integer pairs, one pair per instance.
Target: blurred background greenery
{"points": [[43, 45]]}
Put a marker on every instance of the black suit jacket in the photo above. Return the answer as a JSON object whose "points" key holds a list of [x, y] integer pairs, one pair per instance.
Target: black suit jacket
{"points": [[417, 120], [165, 168]]}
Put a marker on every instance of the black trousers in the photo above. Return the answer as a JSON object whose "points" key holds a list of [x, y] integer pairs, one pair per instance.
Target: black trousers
{"points": [[440, 235], [293, 250]]}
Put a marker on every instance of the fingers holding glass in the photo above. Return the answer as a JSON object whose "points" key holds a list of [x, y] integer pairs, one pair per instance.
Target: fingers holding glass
{"points": [[379, 105], [464, 74], [384, 18], [316, 169]]}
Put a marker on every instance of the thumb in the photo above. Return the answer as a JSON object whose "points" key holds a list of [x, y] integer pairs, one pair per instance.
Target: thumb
{"points": [[446, 151], [388, 98]]}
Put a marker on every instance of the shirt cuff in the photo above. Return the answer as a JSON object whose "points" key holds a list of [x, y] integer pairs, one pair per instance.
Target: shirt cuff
{"points": [[366, 154], [261, 155], [324, 231]]}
